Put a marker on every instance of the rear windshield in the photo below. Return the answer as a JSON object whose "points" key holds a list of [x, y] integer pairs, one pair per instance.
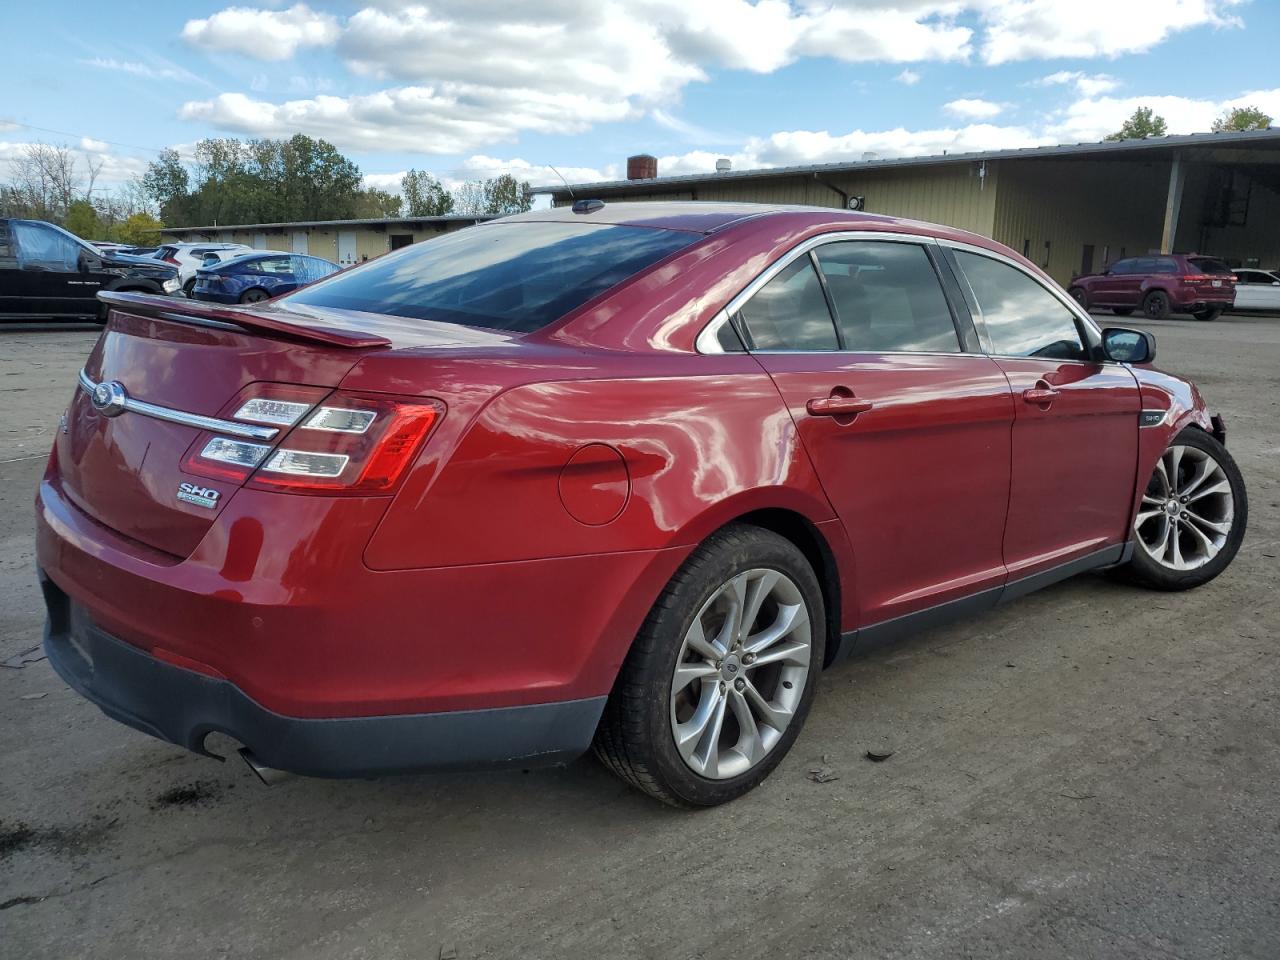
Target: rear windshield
{"points": [[504, 276], [1208, 265]]}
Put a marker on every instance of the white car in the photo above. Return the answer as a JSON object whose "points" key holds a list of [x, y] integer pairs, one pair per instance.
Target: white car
{"points": [[1257, 289], [190, 257]]}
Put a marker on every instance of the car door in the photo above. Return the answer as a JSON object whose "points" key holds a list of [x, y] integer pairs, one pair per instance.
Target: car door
{"points": [[908, 432], [50, 280], [11, 300], [1075, 428]]}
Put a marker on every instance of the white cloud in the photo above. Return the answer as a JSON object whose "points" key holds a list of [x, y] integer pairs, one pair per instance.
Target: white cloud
{"points": [[263, 34], [463, 75], [159, 70], [1045, 29], [970, 108], [89, 145], [1089, 85], [1092, 118]]}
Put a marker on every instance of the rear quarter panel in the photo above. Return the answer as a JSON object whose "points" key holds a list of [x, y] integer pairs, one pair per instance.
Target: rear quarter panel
{"points": [[701, 440]]}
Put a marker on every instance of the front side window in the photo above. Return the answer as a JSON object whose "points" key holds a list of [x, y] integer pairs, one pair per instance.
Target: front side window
{"points": [[790, 312], [44, 247], [1122, 267], [887, 298], [505, 276], [1022, 318]]}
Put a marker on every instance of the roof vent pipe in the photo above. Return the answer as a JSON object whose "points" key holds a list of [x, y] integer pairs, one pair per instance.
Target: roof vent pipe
{"points": [[724, 165]]}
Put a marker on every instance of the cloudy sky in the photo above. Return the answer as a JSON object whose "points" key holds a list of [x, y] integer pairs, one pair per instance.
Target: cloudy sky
{"points": [[471, 88]]}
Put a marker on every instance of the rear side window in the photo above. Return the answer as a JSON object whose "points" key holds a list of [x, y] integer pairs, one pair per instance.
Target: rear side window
{"points": [[887, 298], [6, 252], [1022, 318], [790, 312], [310, 269], [1166, 265], [1209, 265], [505, 276]]}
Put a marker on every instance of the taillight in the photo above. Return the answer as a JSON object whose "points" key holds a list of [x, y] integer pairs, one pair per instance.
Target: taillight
{"points": [[350, 444], [172, 260], [1195, 278], [324, 442]]}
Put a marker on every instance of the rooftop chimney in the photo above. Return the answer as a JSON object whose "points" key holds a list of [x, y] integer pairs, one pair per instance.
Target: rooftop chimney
{"points": [[642, 167]]}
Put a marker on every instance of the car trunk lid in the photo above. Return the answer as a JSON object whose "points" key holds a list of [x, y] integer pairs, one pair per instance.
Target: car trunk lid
{"points": [[125, 471]]}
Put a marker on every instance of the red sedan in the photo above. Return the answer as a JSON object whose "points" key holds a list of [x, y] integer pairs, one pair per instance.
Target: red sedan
{"points": [[623, 477]]}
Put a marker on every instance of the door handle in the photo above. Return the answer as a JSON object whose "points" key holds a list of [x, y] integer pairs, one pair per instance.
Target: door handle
{"points": [[1041, 393], [837, 406]]}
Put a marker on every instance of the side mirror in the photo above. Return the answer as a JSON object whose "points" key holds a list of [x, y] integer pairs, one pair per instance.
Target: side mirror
{"points": [[1128, 346]]}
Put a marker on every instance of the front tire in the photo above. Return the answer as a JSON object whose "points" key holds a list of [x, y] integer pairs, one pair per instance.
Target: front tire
{"points": [[188, 287], [723, 672], [1156, 305], [1080, 297], [1192, 517]]}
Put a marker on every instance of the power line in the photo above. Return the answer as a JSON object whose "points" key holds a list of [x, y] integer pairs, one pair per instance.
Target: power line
{"points": [[83, 136]]}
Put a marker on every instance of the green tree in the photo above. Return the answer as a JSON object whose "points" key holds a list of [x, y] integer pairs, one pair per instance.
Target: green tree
{"points": [[1143, 123], [167, 184], [82, 220], [139, 230], [1242, 118], [373, 203], [424, 195], [498, 196]]}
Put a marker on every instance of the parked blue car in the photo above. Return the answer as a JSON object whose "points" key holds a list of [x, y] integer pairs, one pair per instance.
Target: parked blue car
{"points": [[258, 276]]}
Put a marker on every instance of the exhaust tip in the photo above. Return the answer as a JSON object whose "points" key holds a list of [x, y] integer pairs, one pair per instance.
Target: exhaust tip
{"points": [[268, 775]]}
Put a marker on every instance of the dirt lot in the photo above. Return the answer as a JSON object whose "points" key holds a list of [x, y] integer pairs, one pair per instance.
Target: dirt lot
{"points": [[1093, 771]]}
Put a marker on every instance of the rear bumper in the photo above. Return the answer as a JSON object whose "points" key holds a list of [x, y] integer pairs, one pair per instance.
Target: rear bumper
{"points": [[184, 707]]}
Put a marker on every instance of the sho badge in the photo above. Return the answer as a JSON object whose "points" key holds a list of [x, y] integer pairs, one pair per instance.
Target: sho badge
{"points": [[200, 496]]}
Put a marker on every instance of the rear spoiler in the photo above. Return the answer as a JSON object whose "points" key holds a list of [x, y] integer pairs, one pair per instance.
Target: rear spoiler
{"points": [[269, 320]]}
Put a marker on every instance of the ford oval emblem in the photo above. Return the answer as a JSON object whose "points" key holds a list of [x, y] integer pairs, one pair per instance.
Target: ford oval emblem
{"points": [[109, 399]]}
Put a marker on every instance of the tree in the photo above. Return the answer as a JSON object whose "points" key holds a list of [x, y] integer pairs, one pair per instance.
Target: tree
{"points": [[45, 180], [167, 184], [373, 203], [1143, 123], [499, 196], [1242, 118], [83, 221], [424, 195], [139, 230]]}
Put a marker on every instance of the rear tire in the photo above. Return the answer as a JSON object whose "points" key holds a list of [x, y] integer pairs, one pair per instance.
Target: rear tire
{"points": [[1122, 311], [1209, 313], [1192, 517], [255, 295], [1156, 305], [669, 687]]}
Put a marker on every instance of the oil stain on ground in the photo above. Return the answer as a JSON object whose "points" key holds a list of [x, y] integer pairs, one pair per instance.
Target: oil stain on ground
{"points": [[195, 794], [18, 836]]}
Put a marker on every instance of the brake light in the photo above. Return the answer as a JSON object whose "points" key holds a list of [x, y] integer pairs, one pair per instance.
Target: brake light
{"points": [[1195, 278], [351, 444]]}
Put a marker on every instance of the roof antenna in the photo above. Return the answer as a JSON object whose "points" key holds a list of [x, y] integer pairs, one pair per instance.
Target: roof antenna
{"points": [[566, 182]]}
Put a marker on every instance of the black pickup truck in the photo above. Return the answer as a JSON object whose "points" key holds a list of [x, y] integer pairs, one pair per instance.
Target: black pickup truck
{"points": [[47, 273]]}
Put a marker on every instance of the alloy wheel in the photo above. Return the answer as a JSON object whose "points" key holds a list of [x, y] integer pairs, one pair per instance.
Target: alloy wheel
{"points": [[741, 673], [1187, 510]]}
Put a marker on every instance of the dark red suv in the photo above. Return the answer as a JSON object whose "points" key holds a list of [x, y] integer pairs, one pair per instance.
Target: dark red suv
{"points": [[622, 476], [1159, 286]]}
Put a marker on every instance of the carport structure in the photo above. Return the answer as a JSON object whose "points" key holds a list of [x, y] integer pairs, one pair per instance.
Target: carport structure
{"points": [[1071, 208]]}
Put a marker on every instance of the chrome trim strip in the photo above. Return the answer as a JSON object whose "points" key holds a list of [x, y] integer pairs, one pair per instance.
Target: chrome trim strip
{"points": [[196, 420]]}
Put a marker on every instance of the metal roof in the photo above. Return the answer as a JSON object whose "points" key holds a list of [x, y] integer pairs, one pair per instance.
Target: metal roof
{"points": [[1269, 137], [367, 222]]}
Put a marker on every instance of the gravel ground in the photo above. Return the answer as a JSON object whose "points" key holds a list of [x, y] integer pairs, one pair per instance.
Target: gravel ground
{"points": [[1090, 772]]}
